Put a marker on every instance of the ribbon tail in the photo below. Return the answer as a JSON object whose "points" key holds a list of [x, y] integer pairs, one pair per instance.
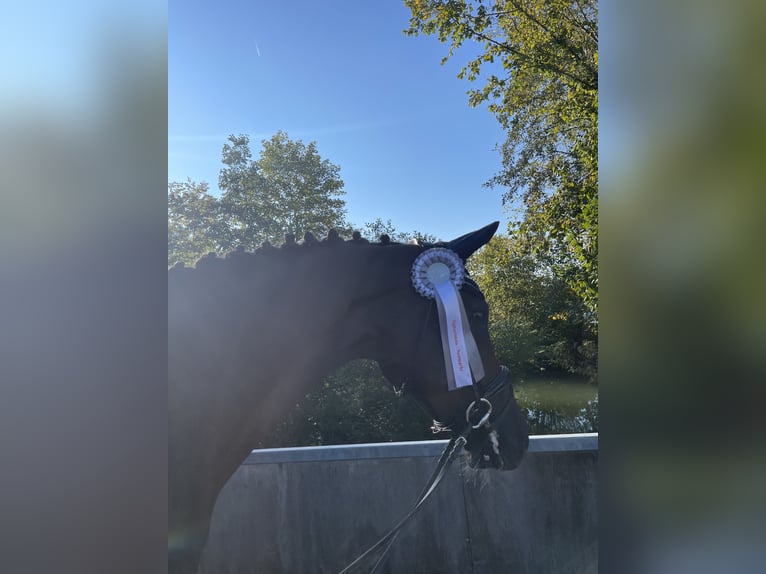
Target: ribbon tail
{"points": [[454, 339], [474, 357], [451, 384]]}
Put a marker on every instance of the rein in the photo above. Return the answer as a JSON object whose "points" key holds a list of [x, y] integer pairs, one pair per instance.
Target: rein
{"points": [[481, 424], [439, 472]]}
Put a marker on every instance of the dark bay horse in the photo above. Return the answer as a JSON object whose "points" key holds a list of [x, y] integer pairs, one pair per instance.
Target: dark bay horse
{"points": [[250, 333]]}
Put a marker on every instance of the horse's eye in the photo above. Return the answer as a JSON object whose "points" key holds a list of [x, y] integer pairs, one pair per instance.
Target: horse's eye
{"points": [[478, 314]]}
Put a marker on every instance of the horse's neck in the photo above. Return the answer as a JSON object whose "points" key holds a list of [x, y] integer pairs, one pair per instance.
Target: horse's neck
{"points": [[307, 298], [249, 341], [248, 337], [321, 306]]}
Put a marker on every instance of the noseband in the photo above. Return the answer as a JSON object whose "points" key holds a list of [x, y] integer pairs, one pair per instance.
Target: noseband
{"points": [[480, 413], [493, 396]]}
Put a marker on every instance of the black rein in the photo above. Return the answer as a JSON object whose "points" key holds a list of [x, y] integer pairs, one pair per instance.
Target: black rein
{"points": [[478, 422]]}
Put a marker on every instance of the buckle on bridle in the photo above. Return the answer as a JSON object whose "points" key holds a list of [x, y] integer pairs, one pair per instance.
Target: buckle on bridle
{"points": [[473, 409]]}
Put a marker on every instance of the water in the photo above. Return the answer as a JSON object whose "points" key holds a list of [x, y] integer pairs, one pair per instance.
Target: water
{"points": [[554, 406]]}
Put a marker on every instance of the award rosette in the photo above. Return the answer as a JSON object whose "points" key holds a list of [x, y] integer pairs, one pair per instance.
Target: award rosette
{"points": [[438, 273]]}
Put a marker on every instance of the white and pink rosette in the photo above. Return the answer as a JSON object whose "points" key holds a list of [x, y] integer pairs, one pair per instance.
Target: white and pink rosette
{"points": [[438, 273]]}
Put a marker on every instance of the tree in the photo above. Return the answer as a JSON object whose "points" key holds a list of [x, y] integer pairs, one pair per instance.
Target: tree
{"points": [[541, 83], [195, 223], [374, 229], [537, 322], [289, 189]]}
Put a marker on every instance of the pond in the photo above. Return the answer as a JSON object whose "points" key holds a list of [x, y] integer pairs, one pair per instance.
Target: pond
{"points": [[555, 406]]}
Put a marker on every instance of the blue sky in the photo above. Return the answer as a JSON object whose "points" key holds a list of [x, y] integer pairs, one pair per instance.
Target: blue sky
{"points": [[343, 74]]}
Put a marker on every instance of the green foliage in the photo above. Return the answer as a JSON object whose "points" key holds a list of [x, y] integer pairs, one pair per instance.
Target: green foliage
{"points": [[539, 65], [289, 189], [195, 221], [373, 230], [355, 405], [537, 322]]}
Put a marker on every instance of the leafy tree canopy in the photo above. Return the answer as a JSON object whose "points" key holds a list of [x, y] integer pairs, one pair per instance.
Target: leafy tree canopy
{"points": [[537, 322], [288, 189], [195, 221], [539, 66], [374, 229]]}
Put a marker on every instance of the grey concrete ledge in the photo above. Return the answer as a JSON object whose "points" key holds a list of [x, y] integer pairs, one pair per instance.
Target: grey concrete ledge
{"points": [[426, 448]]}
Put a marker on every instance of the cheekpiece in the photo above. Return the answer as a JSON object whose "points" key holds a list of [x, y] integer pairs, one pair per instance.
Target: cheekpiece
{"points": [[434, 266]]}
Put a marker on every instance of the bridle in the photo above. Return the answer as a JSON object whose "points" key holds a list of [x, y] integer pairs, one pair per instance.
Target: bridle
{"points": [[478, 426], [480, 416]]}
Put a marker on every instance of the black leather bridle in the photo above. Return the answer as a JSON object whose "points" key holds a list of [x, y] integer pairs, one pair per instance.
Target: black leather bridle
{"points": [[473, 430], [477, 424], [493, 397], [481, 415]]}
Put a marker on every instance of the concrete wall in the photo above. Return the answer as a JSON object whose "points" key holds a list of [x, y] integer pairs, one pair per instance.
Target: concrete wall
{"points": [[312, 510]]}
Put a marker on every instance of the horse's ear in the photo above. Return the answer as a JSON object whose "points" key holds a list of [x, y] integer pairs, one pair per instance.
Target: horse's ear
{"points": [[467, 244]]}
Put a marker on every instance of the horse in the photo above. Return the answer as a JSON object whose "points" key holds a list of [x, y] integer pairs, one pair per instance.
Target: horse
{"points": [[250, 333]]}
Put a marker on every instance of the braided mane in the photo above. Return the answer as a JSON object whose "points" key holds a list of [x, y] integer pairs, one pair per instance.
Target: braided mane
{"points": [[309, 242]]}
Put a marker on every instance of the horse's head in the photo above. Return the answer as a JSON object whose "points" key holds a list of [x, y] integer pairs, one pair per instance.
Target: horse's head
{"points": [[405, 329]]}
